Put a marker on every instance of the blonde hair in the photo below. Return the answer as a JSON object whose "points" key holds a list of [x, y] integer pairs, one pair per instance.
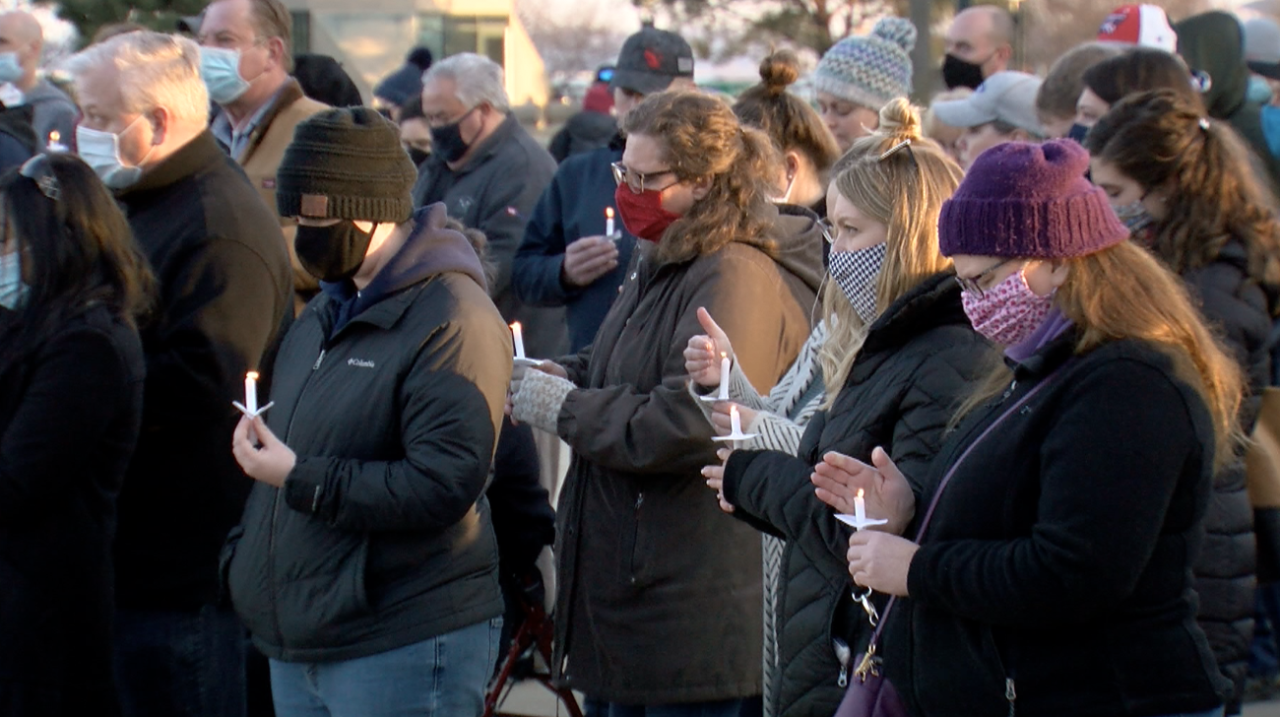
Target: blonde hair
{"points": [[903, 188], [156, 70], [1124, 292]]}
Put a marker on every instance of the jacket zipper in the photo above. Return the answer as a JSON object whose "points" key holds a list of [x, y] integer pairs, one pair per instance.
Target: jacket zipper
{"points": [[275, 505]]}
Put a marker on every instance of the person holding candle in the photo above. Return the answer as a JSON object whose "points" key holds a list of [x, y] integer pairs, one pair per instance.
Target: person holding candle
{"points": [[73, 287], [366, 552], [899, 354], [568, 256], [658, 609], [1067, 507]]}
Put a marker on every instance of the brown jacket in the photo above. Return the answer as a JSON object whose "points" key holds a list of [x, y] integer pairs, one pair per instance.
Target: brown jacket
{"points": [[260, 160], [659, 592]]}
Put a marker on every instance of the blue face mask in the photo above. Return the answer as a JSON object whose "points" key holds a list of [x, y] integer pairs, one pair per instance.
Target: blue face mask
{"points": [[220, 70], [10, 70], [1259, 90], [1078, 132], [12, 291]]}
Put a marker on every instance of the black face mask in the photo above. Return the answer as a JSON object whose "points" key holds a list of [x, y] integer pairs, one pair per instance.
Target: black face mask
{"points": [[418, 156], [1078, 132], [332, 253], [447, 140], [958, 73]]}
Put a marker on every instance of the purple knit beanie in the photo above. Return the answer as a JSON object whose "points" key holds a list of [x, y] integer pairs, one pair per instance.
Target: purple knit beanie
{"points": [[1029, 200]]}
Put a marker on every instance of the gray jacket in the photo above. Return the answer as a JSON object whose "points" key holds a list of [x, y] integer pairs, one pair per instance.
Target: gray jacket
{"points": [[54, 110], [495, 192]]}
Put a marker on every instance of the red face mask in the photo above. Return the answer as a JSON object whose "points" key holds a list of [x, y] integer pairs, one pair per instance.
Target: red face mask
{"points": [[642, 214]]}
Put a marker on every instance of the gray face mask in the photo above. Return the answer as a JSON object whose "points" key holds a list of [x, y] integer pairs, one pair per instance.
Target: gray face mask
{"points": [[1134, 215], [855, 272]]}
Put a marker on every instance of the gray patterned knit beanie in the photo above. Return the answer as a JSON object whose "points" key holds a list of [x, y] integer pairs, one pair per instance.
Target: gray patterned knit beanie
{"points": [[871, 70]]}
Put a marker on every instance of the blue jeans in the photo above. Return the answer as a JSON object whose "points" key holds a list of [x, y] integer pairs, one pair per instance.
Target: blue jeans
{"points": [[723, 708], [445, 675], [180, 664]]}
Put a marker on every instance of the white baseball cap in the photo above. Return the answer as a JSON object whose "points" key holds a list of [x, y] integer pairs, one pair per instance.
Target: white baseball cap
{"points": [[1006, 96]]}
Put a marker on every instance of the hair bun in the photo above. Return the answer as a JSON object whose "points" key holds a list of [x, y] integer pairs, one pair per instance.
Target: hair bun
{"points": [[779, 70], [897, 30], [899, 120]]}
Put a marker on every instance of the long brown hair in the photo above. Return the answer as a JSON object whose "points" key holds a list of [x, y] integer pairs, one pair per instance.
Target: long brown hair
{"points": [[702, 138], [903, 187], [789, 121], [1124, 292], [1164, 141]]}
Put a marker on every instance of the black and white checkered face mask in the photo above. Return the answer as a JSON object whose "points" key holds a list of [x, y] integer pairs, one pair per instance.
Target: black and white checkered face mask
{"points": [[855, 273]]}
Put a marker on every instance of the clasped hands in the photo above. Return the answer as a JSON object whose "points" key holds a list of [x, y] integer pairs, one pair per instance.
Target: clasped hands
{"points": [[878, 557]]}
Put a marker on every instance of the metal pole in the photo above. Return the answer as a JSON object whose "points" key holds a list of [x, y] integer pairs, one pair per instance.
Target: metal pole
{"points": [[925, 75]]}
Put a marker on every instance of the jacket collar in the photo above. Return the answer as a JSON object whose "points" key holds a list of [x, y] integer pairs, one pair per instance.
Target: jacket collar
{"points": [[196, 155], [1046, 360], [490, 145], [933, 302], [288, 94]]}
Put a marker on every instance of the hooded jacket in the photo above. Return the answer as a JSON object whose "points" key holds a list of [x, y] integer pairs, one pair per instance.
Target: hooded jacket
{"points": [[1239, 309], [920, 359], [659, 592], [54, 112], [391, 397], [17, 136], [1213, 43]]}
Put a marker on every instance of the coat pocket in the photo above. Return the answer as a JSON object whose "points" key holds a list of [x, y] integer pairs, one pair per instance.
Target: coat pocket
{"points": [[322, 597]]}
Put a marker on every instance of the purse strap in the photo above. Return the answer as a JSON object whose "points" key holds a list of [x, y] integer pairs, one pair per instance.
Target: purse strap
{"points": [[942, 486]]}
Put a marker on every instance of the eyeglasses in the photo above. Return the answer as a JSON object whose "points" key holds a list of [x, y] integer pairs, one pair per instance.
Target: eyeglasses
{"points": [[38, 170], [970, 285], [829, 230], [443, 120], [635, 180]]}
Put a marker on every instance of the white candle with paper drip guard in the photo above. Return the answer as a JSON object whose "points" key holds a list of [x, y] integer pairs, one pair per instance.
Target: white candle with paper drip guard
{"points": [[250, 405], [608, 222], [723, 393], [55, 145], [735, 425], [859, 519], [517, 338]]}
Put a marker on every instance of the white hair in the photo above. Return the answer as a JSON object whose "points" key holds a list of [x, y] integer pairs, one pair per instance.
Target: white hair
{"points": [[477, 78], [156, 70]]}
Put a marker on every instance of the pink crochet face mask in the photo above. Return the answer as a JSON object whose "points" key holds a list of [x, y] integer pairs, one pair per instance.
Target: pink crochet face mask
{"points": [[1009, 312]]}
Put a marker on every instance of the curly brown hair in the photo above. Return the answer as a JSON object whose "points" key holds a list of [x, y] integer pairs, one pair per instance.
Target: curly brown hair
{"points": [[1163, 141], [701, 138]]}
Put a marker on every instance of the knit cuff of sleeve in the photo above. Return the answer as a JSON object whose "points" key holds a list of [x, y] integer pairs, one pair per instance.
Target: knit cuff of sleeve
{"points": [[539, 400], [739, 385]]}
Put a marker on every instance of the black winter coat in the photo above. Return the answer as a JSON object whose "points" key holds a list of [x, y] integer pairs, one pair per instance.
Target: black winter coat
{"points": [[69, 417], [380, 537], [1059, 556], [1238, 309], [225, 290], [659, 592], [918, 362]]}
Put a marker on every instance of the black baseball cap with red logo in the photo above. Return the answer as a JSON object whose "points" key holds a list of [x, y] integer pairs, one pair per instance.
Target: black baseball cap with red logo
{"points": [[650, 60]]}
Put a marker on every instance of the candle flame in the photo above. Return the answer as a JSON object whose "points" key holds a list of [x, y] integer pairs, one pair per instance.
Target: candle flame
{"points": [[54, 136], [608, 212], [515, 325], [252, 375], [859, 492], [724, 354]]}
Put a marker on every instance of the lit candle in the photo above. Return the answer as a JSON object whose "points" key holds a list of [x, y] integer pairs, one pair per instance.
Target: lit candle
{"points": [[519, 339], [608, 221], [251, 392], [724, 376], [735, 422], [860, 508], [55, 145]]}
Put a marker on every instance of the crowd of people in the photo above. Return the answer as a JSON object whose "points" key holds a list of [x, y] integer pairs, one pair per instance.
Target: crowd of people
{"points": [[930, 411]]}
